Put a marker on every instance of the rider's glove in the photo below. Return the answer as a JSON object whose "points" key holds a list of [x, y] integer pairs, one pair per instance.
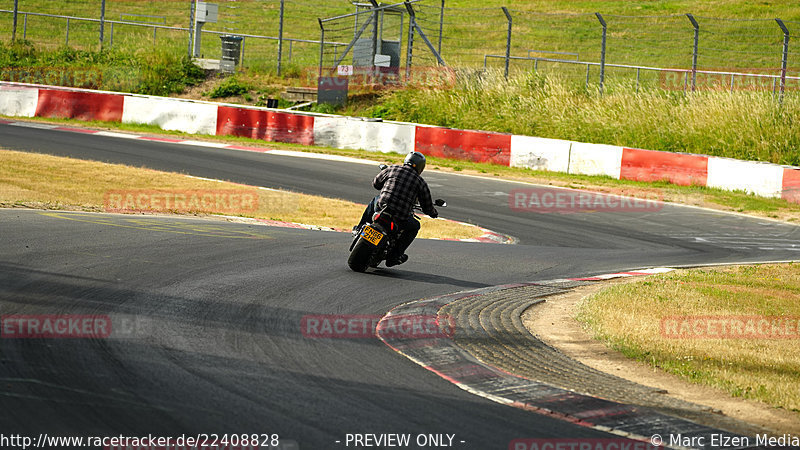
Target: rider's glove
{"points": [[434, 215]]}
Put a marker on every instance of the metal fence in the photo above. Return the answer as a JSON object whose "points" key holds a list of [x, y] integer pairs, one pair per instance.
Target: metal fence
{"points": [[375, 42], [675, 52]]}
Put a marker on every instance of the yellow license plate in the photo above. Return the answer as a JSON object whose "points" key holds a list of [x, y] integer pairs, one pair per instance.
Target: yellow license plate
{"points": [[372, 235]]}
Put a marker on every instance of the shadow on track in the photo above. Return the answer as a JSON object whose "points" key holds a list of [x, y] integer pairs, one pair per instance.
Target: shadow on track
{"points": [[426, 278]]}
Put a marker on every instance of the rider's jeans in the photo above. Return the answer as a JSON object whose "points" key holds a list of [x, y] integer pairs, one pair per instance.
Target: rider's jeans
{"points": [[410, 229]]}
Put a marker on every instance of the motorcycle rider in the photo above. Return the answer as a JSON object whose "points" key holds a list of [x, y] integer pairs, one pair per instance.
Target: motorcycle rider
{"points": [[401, 188]]}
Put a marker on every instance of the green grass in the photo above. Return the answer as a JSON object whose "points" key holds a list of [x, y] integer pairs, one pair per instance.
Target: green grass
{"points": [[628, 317], [472, 28], [553, 102], [150, 71], [743, 125]]}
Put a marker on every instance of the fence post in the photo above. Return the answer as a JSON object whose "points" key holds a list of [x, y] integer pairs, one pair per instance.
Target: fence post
{"points": [[102, 22], [508, 39], [694, 52], [191, 27], [409, 52], [241, 53], [280, 39], [587, 77], [602, 53], [785, 58], [374, 68], [14, 26], [66, 43], [441, 27], [321, 45]]}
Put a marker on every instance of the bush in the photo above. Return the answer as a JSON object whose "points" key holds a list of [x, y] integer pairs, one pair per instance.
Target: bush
{"points": [[164, 73], [153, 72], [229, 88]]}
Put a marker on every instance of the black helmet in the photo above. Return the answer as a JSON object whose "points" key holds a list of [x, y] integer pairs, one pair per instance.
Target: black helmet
{"points": [[416, 160]]}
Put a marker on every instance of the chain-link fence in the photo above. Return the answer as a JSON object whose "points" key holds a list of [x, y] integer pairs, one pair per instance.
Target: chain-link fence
{"points": [[675, 52], [380, 44]]}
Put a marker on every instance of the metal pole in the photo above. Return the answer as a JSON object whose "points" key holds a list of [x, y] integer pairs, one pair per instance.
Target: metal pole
{"points": [[154, 35], [441, 27], [638, 70], [111, 37], [587, 77], [280, 40], [321, 45], [191, 27], [241, 53], [732, 81], [409, 52], [380, 36], [102, 22], [694, 52], [785, 56], [374, 68], [602, 53], [508, 39], [14, 27], [25, 26], [67, 41]]}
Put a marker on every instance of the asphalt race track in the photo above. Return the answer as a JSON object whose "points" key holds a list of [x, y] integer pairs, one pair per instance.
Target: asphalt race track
{"points": [[207, 335]]}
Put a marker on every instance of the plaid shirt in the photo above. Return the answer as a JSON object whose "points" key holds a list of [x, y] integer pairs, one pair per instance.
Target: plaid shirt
{"points": [[401, 187]]}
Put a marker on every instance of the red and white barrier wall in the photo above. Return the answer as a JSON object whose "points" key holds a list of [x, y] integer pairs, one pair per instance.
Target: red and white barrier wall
{"points": [[197, 117]]}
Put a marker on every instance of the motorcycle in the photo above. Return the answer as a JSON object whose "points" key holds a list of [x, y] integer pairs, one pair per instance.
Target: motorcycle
{"points": [[375, 240]]}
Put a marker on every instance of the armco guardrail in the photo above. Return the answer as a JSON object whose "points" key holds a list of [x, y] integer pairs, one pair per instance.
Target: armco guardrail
{"points": [[198, 117]]}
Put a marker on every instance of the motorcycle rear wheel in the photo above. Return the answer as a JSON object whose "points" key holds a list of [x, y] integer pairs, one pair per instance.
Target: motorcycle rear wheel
{"points": [[360, 256]]}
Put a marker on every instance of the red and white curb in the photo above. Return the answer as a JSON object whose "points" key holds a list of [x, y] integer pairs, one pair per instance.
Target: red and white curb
{"points": [[219, 119], [635, 273], [442, 356], [189, 142]]}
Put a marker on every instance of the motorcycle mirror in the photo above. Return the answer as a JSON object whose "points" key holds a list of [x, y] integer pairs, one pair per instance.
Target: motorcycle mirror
{"points": [[382, 166], [440, 202]]}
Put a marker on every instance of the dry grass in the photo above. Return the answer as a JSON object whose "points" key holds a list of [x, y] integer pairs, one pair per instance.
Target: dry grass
{"points": [[628, 317], [50, 182]]}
